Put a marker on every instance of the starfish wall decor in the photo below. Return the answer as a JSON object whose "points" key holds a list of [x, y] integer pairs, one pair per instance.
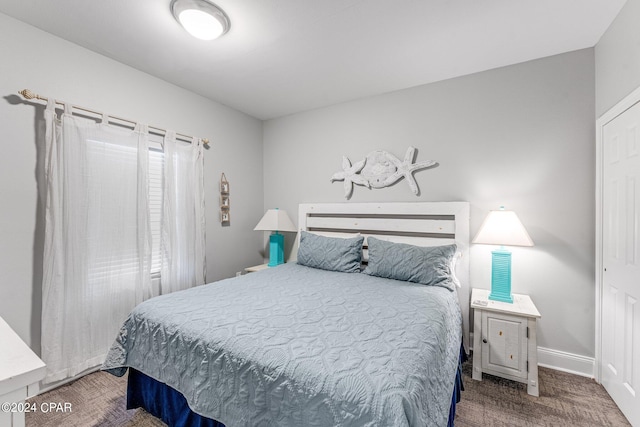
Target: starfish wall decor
{"points": [[380, 169]]}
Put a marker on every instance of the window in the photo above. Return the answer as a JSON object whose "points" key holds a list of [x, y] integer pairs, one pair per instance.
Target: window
{"points": [[108, 158], [156, 165]]}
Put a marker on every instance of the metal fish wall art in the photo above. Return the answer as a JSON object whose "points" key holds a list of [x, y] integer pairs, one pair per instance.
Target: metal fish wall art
{"points": [[380, 169]]}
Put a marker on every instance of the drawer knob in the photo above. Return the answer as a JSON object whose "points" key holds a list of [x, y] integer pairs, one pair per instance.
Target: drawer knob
{"points": [[484, 340]]}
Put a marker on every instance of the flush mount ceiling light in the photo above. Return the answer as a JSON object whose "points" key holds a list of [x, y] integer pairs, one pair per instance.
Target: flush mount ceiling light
{"points": [[201, 19]]}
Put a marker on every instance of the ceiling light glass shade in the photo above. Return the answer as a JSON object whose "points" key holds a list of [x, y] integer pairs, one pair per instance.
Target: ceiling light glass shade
{"points": [[201, 19], [503, 228]]}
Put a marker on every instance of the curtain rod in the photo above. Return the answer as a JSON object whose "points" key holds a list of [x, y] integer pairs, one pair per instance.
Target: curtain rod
{"points": [[27, 94]]}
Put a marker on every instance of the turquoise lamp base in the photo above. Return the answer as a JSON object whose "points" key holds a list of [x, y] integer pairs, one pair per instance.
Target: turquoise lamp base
{"points": [[276, 249], [501, 276]]}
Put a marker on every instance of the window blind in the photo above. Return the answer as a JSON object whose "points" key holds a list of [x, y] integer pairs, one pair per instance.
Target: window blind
{"points": [[109, 157], [156, 165]]}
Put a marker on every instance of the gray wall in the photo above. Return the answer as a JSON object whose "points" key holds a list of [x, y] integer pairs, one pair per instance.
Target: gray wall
{"points": [[617, 58], [53, 67], [520, 136]]}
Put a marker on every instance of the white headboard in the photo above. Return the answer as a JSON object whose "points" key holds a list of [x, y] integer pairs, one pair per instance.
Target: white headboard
{"points": [[420, 224]]}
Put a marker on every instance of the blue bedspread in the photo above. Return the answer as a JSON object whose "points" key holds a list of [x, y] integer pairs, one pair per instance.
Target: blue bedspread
{"points": [[296, 346]]}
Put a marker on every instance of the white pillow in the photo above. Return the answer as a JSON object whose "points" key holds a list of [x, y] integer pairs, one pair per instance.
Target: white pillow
{"points": [[454, 263]]}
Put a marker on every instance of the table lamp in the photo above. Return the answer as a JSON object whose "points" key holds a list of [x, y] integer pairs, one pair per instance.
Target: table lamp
{"points": [[276, 220], [502, 228]]}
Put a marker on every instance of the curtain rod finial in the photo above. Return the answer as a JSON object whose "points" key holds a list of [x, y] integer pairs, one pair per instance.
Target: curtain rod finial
{"points": [[27, 94]]}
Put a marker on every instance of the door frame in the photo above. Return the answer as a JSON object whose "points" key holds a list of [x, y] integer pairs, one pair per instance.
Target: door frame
{"points": [[627, 102]]}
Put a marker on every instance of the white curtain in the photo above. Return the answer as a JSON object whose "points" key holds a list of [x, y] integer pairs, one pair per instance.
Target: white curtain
{"points": [[98, 236], [183, 256]]}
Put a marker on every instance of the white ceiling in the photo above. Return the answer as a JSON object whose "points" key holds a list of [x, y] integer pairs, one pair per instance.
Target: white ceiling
{"points": [[285, 56]]}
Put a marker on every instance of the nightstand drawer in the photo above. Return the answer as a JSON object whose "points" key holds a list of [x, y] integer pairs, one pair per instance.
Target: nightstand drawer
{"points": [[505, 349]]}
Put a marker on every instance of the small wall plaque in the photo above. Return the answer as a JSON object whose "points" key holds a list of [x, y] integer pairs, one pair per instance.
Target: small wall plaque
{"points": [[224, 185], [225, 201]]}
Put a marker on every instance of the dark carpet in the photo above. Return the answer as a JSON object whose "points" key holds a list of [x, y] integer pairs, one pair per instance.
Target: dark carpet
{"points": [[98, 399], [565, 400]]}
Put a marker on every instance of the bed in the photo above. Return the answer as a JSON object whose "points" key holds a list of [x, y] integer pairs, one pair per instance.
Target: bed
{"points": [[301, 346]]}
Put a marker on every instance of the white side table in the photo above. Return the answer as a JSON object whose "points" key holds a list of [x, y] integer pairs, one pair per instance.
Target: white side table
{"points": [[20, 372], [256, 268], [504, 339]]}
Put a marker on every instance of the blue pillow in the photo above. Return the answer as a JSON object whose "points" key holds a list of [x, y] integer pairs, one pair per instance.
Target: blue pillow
{"points": [[426, 265], [330, 253]]}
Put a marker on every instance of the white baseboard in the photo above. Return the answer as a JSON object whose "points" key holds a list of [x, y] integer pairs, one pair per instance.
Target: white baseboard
{"points": [[566, 362], [60, 383], [563, 361]]}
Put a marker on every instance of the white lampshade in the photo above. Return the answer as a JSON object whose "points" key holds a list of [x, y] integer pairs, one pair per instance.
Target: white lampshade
{"points": [[275, 220], [503, 228]]}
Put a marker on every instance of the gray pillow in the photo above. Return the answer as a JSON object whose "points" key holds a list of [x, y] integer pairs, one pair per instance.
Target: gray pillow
{"points": [[330, 253], [426, 265]]}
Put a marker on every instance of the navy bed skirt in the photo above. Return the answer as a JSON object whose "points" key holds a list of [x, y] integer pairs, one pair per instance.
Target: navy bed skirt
{"points": [[170, 406]]}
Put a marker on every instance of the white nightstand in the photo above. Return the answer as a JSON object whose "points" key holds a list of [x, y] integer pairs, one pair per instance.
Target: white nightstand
{"points": [[256, 268], [20, 372], [504, 339]]}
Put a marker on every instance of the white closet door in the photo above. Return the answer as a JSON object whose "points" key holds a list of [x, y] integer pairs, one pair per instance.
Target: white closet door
{"points": [[621, 262]]}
